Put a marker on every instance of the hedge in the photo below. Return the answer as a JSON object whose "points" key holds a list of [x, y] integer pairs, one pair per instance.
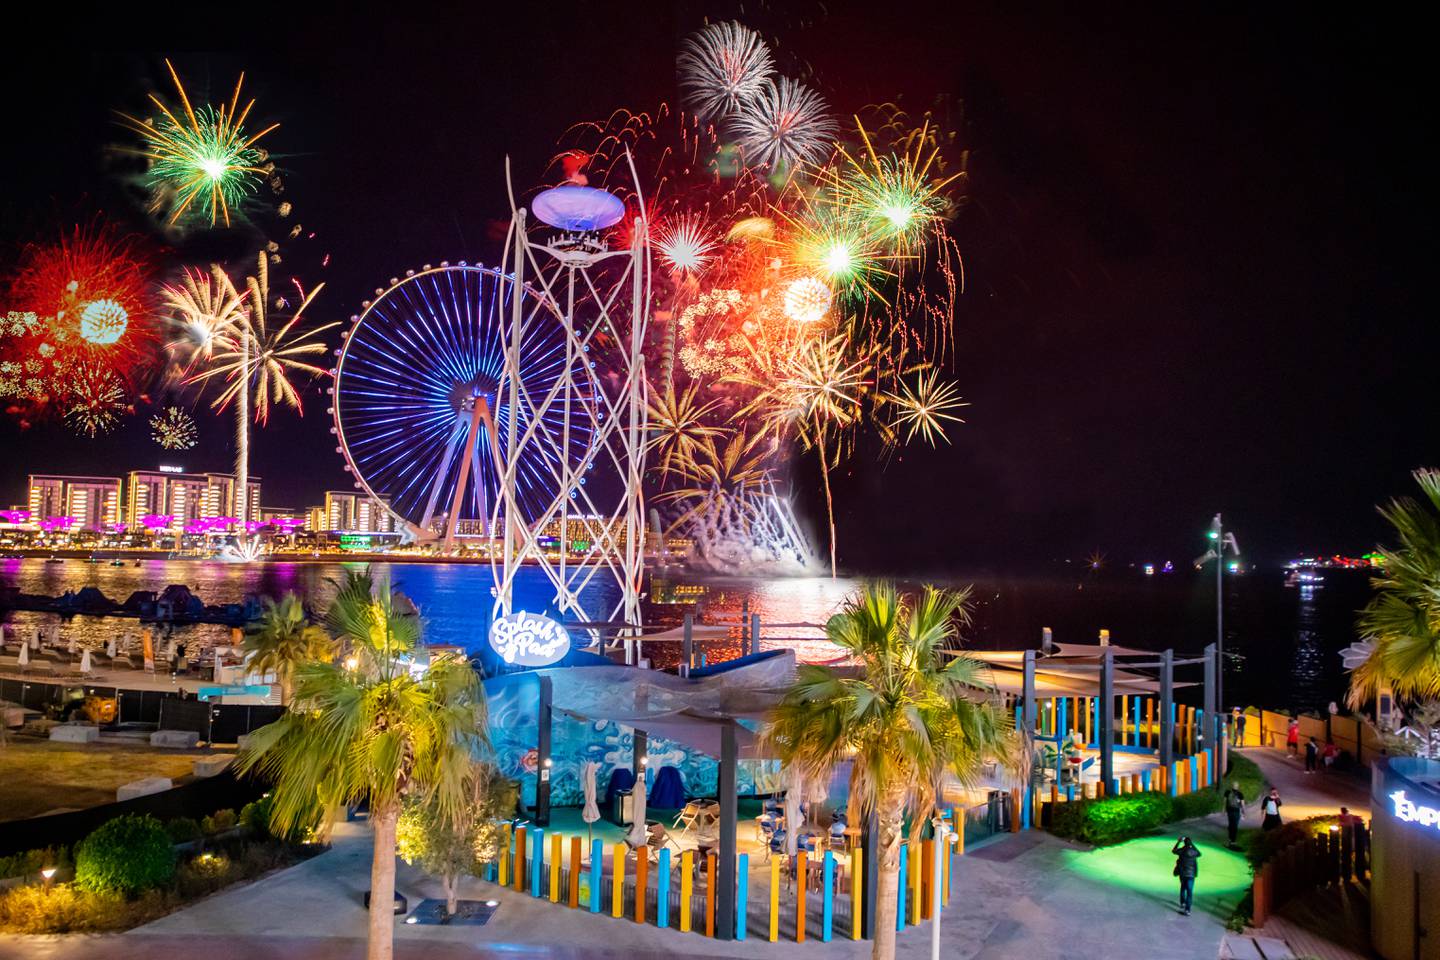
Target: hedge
{"points": [[1116, 819]]}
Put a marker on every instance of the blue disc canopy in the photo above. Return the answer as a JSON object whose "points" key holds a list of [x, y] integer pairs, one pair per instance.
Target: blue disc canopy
{"points": [[578, 209]]}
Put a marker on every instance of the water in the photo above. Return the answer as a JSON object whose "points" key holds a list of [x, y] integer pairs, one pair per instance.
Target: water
{"points": [[1283, 642]]}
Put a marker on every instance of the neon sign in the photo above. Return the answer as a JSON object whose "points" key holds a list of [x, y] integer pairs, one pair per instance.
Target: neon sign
{"points": [[529, 639], [1412, 812]]}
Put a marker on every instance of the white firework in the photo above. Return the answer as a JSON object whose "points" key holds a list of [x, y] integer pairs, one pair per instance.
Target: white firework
{"points": [[786, 124], [721, 66]]}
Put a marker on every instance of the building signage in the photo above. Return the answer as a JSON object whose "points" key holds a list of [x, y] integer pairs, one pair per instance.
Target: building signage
{"points": [[529, 639], [1412, 812], [166, 468]]}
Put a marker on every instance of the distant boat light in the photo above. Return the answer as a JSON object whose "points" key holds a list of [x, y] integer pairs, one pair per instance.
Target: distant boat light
{"points": [[577, 209]]}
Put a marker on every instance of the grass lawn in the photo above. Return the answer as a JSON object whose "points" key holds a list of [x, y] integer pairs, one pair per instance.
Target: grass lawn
{"points": [[37, 776]]}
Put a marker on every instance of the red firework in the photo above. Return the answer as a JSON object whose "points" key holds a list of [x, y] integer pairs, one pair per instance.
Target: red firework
{"points": [[91, 293]]}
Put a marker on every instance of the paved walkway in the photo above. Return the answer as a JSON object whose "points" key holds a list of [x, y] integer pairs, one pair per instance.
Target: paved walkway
{"points": [[1311, 794], [1026, 896]]}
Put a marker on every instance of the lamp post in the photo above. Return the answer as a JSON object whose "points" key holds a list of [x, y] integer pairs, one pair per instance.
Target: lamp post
{"points": [[49, 876]]}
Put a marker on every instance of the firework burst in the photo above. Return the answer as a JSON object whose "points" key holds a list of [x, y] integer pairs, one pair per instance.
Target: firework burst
{"points": [[680, 428], [785, 125], [202, 162], [925, 408], [96, 402], [685, 245], [205, 308], [253, 353], [721, 67], [174, 429]]}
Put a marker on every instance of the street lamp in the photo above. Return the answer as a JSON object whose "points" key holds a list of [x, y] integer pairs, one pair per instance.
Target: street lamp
{"points": [[1219, 540], [49, 876]]}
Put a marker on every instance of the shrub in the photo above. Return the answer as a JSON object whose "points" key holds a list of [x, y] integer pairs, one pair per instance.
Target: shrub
{"points": [[33, 861], [218, 822], [256, 816], [183, 830], [128, 855], [1243, 769], [66, 909], [1111, 819]]}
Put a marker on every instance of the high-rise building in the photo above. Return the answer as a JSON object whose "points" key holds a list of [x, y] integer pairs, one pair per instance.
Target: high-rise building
{"points": [[355, 513], [145, 496], [94, 502]]}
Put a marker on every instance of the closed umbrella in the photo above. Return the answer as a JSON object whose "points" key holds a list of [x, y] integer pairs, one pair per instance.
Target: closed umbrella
{"points": [[793, 795], [24, 655], [85, 661], [35, 638], [591, 811], [637, 806], [71, 645]]}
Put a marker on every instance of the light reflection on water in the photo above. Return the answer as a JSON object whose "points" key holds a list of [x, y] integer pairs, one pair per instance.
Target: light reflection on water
{"points": [[1283, 643]]}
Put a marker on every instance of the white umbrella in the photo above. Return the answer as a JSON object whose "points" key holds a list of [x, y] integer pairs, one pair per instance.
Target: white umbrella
{"points": [[71, 645], [35, 638], [215, 675], [793, 796], [24, 655], [637, 808], [591, 811], [110, 649], [85, 661]]}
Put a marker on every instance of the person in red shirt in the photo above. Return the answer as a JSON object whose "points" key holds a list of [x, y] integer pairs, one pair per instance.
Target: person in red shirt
{"points": [[1292, 738]]}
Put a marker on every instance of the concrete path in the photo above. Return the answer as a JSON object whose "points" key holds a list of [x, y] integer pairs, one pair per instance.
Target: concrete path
{"points": [[1310, 794], [1050, 900]]}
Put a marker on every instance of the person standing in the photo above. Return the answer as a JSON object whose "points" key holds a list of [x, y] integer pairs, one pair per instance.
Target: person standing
{"points": [[1234, 808], [1270, 808], [1292, 737], [1329, 754], [1239, 727], [1187, 869], [1312, 754]]}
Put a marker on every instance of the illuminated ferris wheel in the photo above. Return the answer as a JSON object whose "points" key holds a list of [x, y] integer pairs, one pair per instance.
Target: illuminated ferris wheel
{"points": [[422, 413]]}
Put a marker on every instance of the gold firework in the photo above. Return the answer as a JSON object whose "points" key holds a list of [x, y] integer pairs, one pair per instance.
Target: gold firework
{"points": [[923, 408]]}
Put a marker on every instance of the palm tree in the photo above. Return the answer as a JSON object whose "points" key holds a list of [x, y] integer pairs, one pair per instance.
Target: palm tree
{"points": [[905, 722], [369, 729], [1402, 622], [284, 640]]}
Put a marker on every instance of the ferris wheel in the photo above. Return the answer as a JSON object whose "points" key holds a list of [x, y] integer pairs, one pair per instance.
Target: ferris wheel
{"points": [[421, 413]]}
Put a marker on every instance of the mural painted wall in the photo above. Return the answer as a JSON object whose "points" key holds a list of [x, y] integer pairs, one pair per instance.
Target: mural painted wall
{"points": [[514, 732]]}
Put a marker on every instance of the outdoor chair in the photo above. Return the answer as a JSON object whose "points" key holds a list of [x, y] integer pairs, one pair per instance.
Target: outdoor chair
{"points": [[687, 816]]}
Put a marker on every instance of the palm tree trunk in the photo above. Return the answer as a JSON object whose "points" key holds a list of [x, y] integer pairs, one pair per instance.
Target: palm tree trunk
{"points": [[887, 886], [381, 944], [452, 884]]}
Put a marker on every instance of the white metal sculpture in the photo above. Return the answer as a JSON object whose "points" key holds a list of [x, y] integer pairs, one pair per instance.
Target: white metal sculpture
{"points": [[601, 295]]}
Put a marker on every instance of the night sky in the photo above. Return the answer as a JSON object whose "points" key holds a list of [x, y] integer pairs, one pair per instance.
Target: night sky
{"points": [[1195, 245]]}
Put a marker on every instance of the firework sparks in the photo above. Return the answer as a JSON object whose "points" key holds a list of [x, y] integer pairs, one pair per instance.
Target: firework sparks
{"points": [[721, 66], [924, 408], [784, 125], [254, 352], [206, 308], [807, 299], [678, 420], [174, 429], [202, 163], [102, 322], [96, 403], [686, 245]]}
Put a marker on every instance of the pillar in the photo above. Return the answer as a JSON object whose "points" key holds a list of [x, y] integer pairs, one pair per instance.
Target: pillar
{"points": [[1028, 722], [1106, 704], [687, 646], [1167, 707], [542, 752], [725, 902], [754, 633]]}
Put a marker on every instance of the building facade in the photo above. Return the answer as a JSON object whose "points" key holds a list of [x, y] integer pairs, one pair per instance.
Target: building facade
{"points": [[355, 513], [88, 503]]}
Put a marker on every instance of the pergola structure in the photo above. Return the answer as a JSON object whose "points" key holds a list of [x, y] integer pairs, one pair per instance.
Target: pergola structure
{"points": [[1100, 673]]}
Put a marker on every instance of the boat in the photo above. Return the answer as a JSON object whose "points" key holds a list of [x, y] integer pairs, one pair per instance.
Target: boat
{"points": [[55, 560], [117, 562]]}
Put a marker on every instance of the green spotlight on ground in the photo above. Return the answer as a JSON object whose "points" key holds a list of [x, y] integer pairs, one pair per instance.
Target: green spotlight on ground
{"points": [[1145, 865]]}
